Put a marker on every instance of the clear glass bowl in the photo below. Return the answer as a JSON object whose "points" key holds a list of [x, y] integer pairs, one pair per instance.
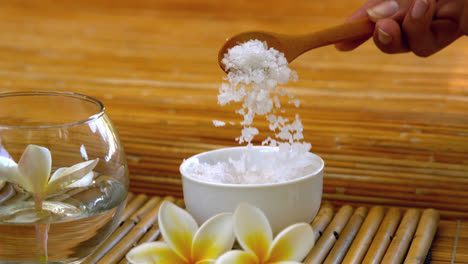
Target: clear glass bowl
{"points": [[64, 224]]}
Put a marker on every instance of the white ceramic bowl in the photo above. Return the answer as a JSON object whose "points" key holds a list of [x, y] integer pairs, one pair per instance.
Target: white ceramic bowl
{"points": [[284, 203]]}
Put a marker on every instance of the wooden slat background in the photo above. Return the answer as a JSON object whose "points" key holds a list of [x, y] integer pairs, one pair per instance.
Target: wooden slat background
{"points": [[392, 128]]}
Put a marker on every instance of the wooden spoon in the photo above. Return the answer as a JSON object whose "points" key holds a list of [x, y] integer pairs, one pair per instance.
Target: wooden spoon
{"points": [[294, 45]]}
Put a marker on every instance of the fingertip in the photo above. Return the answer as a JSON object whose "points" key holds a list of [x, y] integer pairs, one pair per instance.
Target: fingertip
{"points": [[417, 27], [388, 37], [383, 37], [385, 9], [420, 15]]}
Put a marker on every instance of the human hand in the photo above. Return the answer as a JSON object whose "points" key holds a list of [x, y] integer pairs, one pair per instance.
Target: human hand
{"points": [[420, 26]]}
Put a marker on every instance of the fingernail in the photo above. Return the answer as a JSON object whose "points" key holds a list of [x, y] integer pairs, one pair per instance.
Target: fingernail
{"points": [[384, 37], [419, 9], [383, 10]]}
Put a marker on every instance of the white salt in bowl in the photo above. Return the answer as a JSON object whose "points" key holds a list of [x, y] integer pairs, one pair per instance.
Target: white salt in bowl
{"points": [[283, 203]]}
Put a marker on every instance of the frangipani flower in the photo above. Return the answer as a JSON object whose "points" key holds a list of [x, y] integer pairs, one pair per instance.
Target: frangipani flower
{"points": [[254, 234], [32, 172], [185, 243]]}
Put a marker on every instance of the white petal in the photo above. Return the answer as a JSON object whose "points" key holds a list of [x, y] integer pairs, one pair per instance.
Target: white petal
{"points": [[35, 165], [214, 238], [177, 228], [71, 175], [57, 173], [153, 253], [9, 172], [83, 182], [292, 244], [80, 168], [6, 164], [253, 230], [237, 257]]}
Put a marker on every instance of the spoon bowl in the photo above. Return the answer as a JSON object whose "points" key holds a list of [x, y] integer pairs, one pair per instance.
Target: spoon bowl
{"points": [[294, 45]]}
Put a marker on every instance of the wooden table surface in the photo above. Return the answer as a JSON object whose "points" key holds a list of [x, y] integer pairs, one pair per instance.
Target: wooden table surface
{"points": [[392, 129]]}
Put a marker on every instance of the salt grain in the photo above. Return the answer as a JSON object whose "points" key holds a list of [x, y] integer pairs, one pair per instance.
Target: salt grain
{"points": [[218, 123], [277, 167], [254, 74]]}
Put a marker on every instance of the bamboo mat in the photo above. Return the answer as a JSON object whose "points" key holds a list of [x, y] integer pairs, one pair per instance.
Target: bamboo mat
{"points": [[343, 234]]}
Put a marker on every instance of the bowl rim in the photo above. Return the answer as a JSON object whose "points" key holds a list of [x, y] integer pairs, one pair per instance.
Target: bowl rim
{"points": [[315, 173], [36, 93]]}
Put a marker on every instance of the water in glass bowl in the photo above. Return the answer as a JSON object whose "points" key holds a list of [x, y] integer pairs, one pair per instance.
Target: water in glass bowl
{"points": [[78, 220]]}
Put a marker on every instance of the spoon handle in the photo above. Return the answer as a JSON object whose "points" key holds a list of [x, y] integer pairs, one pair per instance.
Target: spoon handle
{"points": [[359, 29]]}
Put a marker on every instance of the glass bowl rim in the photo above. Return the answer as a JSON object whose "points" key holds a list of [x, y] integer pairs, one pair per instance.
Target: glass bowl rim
{"points": [[88, 98]]}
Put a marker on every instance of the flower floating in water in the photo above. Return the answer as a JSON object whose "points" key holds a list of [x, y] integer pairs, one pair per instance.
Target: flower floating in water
{"points": [[185, 243], [33, 170], [254, 234]]}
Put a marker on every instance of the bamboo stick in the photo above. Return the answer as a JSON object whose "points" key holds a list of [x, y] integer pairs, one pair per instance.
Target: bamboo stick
{"points": [[133, 206], [110, 242], [422, 240], [364, 238], [152, 234], [394, 202], [145, 209], [444, 213], [323, 218], [180, 203], [345, 239], [130, 197], [123, 246], [383, 237], [329, 237], [400, 243], [123, 230]]}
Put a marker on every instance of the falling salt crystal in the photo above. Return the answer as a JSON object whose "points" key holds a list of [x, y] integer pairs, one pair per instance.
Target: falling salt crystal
{"points": [[218, 123], [295, 102], [254, 74]]}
